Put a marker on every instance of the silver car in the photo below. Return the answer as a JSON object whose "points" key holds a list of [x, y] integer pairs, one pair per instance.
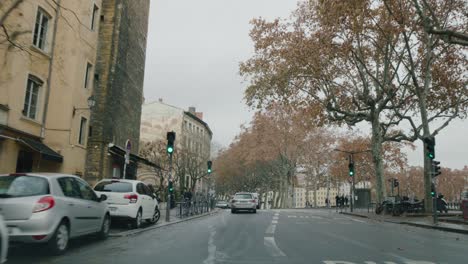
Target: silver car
{"points": [[3, 241], [243, 201], [51, 208]]}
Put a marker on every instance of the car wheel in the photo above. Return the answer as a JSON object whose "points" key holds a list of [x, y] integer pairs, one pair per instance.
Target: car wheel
{"points": [[59, 241], [254, 211], [136, 222], [105, 228], [156, 216], [233, 211]]}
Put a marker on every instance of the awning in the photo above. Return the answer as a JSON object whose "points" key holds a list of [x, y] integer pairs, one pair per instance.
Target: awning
{"points": [[135, 158], [46, 152]]}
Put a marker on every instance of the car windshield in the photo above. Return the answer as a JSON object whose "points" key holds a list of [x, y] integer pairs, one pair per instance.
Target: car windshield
{"points": [[113, 186], [22, 186], [243, 196]]}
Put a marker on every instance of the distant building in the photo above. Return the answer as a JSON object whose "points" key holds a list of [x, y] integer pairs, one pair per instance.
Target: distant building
{"points": [[193, 135]]}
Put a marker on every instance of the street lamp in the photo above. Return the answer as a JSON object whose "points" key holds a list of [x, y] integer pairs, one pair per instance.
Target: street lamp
{"points": [[91, 104]]}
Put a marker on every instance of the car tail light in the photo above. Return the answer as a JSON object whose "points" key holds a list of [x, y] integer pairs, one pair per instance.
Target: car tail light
{"points": [[253, 201], [132, 197], [39, 237], [45, 203]]}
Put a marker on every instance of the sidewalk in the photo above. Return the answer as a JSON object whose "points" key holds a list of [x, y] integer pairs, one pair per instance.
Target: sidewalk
{"points": [[451, 222], [122, 230]]}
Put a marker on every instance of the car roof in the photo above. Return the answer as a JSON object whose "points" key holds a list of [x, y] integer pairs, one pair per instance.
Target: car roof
{"points": [[120, 180], [243, 193], [41, 174]]}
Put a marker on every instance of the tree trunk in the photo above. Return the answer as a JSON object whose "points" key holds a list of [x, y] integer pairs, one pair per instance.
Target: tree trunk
{"points": [[377, 140]]}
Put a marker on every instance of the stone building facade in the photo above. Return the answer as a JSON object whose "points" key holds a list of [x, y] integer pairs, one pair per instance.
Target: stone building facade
{"points": [[119, 94], [47, 62], [193, 135]]}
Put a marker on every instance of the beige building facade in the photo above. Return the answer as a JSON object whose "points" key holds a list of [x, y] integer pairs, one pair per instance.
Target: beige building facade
{"points": [[193, 135], [315, 198], [46, 79]]}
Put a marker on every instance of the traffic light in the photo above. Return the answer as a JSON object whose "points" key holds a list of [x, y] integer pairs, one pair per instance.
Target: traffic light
{"points": [[170, 141], [209, 163], [171, 187], [436, 168], [430, 147], [432, 190], [351, 169], [396, 183]]}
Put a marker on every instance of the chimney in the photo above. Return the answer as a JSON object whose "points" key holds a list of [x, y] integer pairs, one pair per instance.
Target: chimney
{"points": [[160, 100], [192, 109], [199, 115]]}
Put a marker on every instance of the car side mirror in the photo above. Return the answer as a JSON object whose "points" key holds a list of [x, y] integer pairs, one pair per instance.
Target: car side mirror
{"points": [[102, 198]]}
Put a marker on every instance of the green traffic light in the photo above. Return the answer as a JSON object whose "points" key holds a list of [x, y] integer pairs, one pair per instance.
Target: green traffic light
{"points": [[170, 150], [351, 173], [430, 155], [209, 170]]}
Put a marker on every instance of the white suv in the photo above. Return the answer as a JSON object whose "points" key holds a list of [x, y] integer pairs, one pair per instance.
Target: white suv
{"points": [[129, 199]]}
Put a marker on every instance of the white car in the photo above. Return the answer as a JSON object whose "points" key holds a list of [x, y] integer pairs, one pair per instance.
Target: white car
{"points": [[130, 199], [3, 241], [257, 199]]}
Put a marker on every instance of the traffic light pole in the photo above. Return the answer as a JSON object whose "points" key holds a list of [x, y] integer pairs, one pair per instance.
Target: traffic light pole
{"points": [[168, 205], [351, 204], [434, 199]]}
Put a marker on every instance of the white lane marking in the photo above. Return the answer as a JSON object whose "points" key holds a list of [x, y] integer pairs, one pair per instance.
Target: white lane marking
{"points": [[275, 217], [272, 248], [292, 216], [271, 229], [274, 222], [211, 248]]}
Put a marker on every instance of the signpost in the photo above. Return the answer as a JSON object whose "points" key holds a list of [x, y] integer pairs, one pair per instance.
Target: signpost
{"points": [[128, 148]]}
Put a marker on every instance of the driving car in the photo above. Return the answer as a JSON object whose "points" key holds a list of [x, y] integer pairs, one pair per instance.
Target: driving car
{"points": [[222, 204], [243, 201], [131, 200], [3, 241], [51, 208]]}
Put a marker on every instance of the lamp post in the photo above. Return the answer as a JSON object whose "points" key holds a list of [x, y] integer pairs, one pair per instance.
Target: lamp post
{"points": [[91, 103]]}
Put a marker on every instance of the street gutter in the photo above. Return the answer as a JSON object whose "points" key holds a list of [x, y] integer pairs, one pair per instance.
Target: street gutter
{"points": [[141, 230], [428, 226]]}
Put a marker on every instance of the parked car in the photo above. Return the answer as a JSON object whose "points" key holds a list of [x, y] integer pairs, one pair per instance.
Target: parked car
{"points": [[51, 208], [243, 201], [222, 204], [3, 241], [130, 200]]}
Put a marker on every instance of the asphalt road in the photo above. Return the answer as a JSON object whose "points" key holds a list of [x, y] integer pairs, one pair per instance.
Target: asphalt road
{"points": [[274, 236]]}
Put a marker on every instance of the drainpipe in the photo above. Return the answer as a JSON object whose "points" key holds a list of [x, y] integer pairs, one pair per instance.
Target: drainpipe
{"points": [[49, 76]]}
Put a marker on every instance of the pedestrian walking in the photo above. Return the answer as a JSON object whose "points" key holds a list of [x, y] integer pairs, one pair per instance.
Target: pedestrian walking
{"points": [[326, 202], [346, 201]]}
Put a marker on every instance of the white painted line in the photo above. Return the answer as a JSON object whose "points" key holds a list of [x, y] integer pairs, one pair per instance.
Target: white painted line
{"points": [[274, 222], [211, 248], [271, 229], [292, 216], [275, 217], [272, 248]]}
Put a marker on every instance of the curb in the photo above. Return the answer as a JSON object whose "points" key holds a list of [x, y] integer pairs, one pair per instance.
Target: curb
{"points": [[442, 228], [141, 230], [352, 214]]}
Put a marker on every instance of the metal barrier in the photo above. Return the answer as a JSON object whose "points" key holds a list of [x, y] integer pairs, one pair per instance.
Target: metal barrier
{"points": [[190, 208]]}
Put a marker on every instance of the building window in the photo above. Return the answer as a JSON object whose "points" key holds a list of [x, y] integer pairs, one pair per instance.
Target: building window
{"points": [[82, 135], [89, 68], [94, 17], [40, 29], [32, 97]]}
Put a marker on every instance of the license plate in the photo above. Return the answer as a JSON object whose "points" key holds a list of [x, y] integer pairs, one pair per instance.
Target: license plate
{"points": [[113, 208]]}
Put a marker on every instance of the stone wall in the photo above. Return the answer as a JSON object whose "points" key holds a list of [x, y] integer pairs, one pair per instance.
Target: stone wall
{"points": [[120, 72]]}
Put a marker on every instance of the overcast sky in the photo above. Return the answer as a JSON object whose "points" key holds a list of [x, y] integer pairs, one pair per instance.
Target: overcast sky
{"points": [[193, 53]]}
